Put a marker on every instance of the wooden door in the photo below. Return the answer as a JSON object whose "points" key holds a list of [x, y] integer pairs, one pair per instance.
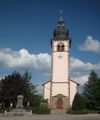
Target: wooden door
{"points": [[59, 104]]}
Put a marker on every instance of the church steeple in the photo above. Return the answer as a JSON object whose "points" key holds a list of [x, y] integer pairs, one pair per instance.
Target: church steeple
{"points": [[60, 32], [60, 90]]}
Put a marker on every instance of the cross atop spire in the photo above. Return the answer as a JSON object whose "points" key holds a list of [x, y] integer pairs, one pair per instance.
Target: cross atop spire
{"points": [[61, 11]]}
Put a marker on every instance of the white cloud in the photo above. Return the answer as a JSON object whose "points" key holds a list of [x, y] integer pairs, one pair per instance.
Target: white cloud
{"points": [[80, 70], [90, 45], [24, 60], [80, 65], [81, 79]]}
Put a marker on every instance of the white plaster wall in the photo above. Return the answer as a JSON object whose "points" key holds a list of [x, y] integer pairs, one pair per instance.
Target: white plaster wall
{"points": [[60, 66], [60, 70], [60, 88], [46, 91], [73, 91]]}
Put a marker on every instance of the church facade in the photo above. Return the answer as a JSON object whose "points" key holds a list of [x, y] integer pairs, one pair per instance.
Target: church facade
{"points": [[60, 90]]}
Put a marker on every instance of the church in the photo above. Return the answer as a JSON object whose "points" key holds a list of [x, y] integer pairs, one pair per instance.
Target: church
{"points": [[60, 90]]}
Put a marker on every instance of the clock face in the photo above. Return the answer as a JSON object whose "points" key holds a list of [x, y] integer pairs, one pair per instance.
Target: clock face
{"points": [[60, 56]]}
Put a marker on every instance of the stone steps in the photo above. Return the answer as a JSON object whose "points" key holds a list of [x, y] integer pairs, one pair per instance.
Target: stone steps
{"points": [[18, 112], [58, 112]]}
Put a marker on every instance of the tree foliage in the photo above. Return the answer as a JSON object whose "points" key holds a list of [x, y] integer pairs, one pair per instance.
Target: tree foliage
{"points": [[15, 84], [79, 102], [92, 91]]}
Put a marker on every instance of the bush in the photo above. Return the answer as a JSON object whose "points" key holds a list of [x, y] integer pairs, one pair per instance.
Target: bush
{"points": [[85, 111], [77, 111], [92, 111], [40, 110], [2, 110]]}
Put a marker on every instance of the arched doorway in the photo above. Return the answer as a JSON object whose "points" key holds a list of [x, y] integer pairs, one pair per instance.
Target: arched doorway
{"points": [[59, 104]]}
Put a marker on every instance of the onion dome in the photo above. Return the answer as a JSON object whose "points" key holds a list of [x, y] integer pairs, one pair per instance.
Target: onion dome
{"points": [[60, 32]]}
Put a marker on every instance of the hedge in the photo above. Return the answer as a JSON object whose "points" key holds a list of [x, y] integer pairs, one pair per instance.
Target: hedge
{"points": [[40, 110]]}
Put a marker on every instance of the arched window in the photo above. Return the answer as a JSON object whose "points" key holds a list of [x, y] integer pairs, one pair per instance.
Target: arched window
{"points": [[60, 47]]}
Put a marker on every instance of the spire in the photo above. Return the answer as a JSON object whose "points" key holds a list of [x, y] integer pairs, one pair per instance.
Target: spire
{"points": [[60, 21], [60, 32]]}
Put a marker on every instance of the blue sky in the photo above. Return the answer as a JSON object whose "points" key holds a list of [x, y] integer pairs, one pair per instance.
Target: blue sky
{"points": [[26, 28]]}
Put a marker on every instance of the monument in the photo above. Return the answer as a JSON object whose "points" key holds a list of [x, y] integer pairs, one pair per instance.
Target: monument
{"points": [[19, 102], [19, 110]]}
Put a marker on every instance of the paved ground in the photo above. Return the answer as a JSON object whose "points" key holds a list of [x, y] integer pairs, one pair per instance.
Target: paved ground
{"points": [[53, 117]]}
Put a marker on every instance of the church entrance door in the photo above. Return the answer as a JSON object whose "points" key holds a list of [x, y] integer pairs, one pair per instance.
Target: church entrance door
{"points": [[59, 104]]}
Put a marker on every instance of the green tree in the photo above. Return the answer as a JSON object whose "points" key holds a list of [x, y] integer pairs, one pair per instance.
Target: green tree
{"points": [[92, 91], [29, 90], [15, 84], [79, 102], [97, 93]]}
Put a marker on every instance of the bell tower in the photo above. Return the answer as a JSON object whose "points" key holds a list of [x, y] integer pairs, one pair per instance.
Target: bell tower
{"points": [[60, 85]]}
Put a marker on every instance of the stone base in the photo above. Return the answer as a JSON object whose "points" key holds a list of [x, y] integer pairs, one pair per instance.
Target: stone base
{"points": [[18, 112]]}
